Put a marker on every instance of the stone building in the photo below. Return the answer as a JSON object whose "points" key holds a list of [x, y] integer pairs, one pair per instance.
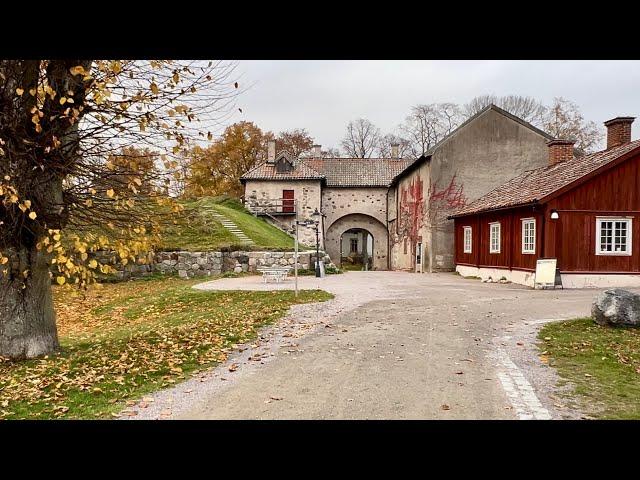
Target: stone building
{"points": [[397, 208]]}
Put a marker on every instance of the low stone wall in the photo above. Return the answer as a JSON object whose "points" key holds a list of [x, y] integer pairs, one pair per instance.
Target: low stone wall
{"points": [[202, 264]]}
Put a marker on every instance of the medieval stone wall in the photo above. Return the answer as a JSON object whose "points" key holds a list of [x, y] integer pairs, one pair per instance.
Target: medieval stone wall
{"points": [[203, 264], [338, 202], [306, 192]]}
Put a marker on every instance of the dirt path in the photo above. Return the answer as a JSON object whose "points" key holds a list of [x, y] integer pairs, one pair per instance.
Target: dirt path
{"points": [[392, 345]]}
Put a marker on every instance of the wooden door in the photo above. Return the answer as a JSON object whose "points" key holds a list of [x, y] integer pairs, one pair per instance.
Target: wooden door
{"points": [[287, 201]]}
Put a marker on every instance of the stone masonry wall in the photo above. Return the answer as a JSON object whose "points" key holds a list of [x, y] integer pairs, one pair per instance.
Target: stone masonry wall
{"points": [[202, 264]]}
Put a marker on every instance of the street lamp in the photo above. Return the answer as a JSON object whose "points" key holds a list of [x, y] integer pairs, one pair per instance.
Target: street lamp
{"points": [[317, 216], [298, 223]]}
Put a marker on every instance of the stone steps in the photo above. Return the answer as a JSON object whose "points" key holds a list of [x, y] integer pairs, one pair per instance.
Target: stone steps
{"points": [[229, 225]]}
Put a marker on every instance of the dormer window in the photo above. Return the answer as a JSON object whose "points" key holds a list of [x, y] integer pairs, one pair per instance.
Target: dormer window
{"points": [[283, 163]]}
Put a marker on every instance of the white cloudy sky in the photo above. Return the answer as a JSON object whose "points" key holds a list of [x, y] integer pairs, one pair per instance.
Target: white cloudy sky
{"points": [[323, 96]]}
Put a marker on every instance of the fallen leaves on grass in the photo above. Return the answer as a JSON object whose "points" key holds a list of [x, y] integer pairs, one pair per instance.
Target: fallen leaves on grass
{"points": [[120, 341]]}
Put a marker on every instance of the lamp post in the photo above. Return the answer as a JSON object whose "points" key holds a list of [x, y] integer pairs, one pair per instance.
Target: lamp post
{"points": [[304, 223], [317, 216]]}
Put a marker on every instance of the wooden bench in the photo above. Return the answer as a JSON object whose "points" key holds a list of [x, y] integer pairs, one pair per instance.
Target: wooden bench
{"points": [[279, 274]]}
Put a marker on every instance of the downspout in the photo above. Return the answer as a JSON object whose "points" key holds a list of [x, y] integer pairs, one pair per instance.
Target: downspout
{"points": [[388, 231], [477, 238], [542, 240]]}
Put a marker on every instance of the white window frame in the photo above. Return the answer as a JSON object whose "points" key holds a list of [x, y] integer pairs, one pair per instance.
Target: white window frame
{"points": [[629, 237], [525, 250], [491, 225], [464, 240]]}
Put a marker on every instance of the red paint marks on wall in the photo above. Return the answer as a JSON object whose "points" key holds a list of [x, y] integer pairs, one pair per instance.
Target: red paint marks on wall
{"points": [[450, 197], [412, 209]]}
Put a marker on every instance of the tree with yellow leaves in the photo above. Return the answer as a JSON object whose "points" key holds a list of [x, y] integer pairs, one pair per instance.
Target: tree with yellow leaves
{"points": [[65, 190]]}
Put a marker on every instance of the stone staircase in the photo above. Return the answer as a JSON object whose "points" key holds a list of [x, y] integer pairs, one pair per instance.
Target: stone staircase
{"points": [[229, 225]]}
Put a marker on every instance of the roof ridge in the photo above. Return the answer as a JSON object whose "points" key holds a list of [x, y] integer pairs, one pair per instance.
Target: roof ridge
{"points": [[497, 109]]}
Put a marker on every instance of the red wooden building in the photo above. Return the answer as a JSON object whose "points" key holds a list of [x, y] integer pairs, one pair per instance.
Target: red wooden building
{"points": [[583, 211]]}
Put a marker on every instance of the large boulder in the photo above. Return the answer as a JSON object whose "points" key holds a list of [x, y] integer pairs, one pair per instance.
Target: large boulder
{"points": [[616, 307]]}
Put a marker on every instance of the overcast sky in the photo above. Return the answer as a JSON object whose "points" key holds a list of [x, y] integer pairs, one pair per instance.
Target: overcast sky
{"points": [[323, 96]]}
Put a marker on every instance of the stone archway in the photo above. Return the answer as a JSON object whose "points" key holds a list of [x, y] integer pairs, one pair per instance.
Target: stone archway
{"points": [[358, 221], [356, 249]]}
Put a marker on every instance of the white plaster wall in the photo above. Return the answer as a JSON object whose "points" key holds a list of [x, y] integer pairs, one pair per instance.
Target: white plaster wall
{"points": [[571, 280], [515, 276]]}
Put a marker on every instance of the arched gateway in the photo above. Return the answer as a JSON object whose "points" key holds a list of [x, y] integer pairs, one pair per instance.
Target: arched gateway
{"points": [[371, 240]]}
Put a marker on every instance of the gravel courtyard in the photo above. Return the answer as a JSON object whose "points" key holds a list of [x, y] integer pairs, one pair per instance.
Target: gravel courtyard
{"points": [[391, 345]]}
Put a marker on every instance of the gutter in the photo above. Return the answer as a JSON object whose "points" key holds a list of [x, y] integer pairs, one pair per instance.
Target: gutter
{"points": [[533, 203]]}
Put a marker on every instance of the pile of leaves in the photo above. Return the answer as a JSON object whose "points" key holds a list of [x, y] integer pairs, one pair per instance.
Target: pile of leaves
{"points": [[601, 363], [120, 341]]}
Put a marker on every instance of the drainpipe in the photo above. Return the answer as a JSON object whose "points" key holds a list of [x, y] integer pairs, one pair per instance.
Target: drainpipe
{"points": [[544, 219], [388, 232]]}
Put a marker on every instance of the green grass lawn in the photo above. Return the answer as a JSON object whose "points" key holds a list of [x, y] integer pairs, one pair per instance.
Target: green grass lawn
{"points": [[602, 363], [196, 229], [121, 341]]}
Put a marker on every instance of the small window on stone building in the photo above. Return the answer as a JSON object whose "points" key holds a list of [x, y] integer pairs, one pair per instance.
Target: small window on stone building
{"points": [[354, 245]]}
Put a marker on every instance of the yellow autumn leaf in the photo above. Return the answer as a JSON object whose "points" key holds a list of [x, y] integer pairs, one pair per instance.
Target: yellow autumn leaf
{"points": [[154, 88], [60, 280], [110, 193], [77, 70], [3, 260], [93, 264], [27, 203], [19, 91], [33, 215], [63, 100], [13, 198]]}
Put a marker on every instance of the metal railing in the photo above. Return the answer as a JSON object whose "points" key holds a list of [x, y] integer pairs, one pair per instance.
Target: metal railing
{"points": [[271, 206]]}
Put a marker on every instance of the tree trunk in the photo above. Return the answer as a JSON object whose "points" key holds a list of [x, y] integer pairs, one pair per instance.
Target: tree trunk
{"points": [[27, 317]]}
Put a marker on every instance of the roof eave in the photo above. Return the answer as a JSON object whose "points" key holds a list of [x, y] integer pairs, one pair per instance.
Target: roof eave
{"points": [[534, 202]]}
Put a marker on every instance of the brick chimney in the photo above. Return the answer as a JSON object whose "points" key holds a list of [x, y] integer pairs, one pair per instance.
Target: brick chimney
{"points": [[560, 150], [618, 131], [317, 151], [271, 151], [395, 148]]}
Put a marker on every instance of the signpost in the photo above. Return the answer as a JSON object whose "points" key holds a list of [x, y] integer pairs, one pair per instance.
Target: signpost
{"points": [[547, 273]]}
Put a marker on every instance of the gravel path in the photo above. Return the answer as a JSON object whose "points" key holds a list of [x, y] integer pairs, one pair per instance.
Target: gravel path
{"points": [[390, 345], [275, 339]]}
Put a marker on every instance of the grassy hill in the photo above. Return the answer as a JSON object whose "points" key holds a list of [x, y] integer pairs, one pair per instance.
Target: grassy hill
{"points": [[197, 229]]}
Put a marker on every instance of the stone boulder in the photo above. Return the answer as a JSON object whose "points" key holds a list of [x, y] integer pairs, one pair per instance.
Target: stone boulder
{"points": [[616, 307]]}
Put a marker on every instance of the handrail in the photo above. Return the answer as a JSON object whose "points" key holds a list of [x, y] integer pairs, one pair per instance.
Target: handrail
{"points": [[271, 205]]}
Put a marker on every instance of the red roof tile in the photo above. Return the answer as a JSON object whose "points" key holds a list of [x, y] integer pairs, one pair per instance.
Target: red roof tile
{"points": [[534, 185], [267, 171], [338, 172], [358, 172]]}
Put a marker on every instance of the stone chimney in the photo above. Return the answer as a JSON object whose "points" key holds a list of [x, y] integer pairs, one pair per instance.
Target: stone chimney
{"points": [[271, 151], [317, 151], [395, 148], [618, 131], [560, 150]]}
